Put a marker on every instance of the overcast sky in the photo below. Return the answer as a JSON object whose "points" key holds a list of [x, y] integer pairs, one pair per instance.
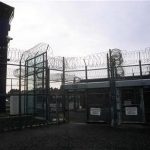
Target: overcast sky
{"points": [[80, 27]]}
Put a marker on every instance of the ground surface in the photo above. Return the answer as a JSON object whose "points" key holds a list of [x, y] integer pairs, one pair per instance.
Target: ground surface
{"points": [[76, 137]]}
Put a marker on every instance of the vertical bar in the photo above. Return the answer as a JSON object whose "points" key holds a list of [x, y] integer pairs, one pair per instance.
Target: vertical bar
{"points": [[20, 124], [118, 105], [11, 84], [63, 91], [47, 89], [108, 67], [47, 80], [25, 89], [86, 73], [140, 65], [63, 77], [43, 85], [113, 91], [86, 93], [34, 88], [43, 73], [20, 89], [27, 96], [142, 106]]}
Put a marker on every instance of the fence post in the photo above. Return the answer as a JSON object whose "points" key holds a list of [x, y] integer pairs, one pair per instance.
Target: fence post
{"points": [[140, 65], [142, 104], [20, 88], [20, 124], [63, 75], [86, 76], [86, 92], [63, 90], [86, 73], [113, 91], [47, 91], [34, 88], [108, 67]]}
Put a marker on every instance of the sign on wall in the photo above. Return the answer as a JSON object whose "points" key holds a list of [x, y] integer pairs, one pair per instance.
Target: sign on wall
{"points": [[95, 111], [131, 111]]}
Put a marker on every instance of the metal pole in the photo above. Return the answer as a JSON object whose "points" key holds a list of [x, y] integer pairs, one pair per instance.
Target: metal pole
{"points": [[20, 124], [11, 83], [34, 88], [140, 65], [86, 92], [47, 89], [86, 73], [63, 91], [142, 106], [27, 96], [108, 67], [86, 76], [25, 89], [63, 75], [113, 91], [20, 89], [20, 86]]}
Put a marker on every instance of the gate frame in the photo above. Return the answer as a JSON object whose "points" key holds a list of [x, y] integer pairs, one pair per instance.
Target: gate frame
{"points": [[45, 82]]}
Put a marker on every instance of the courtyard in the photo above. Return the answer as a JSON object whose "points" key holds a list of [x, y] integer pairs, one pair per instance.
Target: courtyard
{"points": [[76, 136]]}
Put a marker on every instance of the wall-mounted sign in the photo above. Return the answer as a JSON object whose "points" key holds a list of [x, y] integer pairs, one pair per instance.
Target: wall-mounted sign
{"points": [[131, 111], [95, 111]]}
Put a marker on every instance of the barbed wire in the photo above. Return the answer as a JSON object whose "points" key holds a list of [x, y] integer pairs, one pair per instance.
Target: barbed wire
{"points": [[92, 61], [14, 55], [98, 60], [55, 62]]}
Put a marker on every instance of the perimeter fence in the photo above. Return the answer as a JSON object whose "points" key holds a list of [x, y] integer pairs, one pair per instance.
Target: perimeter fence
{"points": [[65, 70], [94, 66]]}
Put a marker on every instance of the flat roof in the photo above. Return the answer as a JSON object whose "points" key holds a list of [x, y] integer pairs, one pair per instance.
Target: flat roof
{"points": [[106, 84]]}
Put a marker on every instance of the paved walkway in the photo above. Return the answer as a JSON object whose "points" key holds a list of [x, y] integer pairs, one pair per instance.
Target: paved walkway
{"points": [[77, 136]]}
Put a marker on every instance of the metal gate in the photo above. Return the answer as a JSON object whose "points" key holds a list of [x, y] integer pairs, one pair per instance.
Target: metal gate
{"points": [[37, 86], [147, 104], [132, 105], [98, 105], [77, 108]]}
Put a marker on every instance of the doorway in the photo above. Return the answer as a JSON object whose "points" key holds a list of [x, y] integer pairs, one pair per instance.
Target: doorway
{"points": [[147, 104], [77, 107]]}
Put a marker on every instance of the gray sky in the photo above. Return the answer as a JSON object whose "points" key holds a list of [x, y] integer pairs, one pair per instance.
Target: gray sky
{"points": [[80, 27]]}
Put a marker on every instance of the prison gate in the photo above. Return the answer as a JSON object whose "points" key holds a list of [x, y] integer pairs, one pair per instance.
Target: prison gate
{"points": [[116, 99], [106, 88], [39, 100], [76, 106], [98, 101], [36, 87], [93, 104]]}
